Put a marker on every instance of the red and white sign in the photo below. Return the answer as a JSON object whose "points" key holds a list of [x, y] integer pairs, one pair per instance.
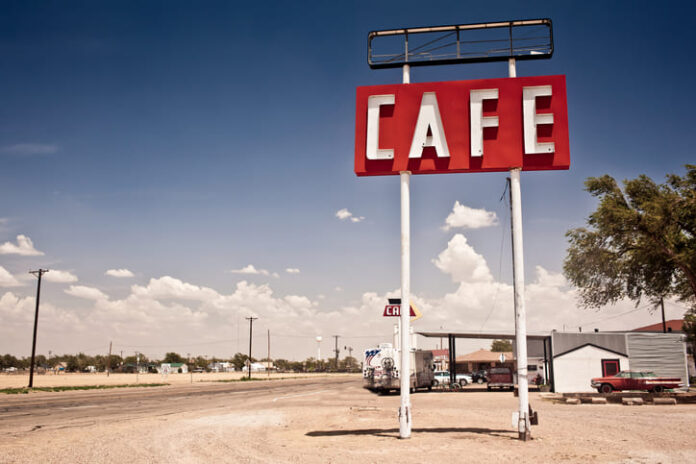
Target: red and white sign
{"points": [[395, 311], [462, 126]]}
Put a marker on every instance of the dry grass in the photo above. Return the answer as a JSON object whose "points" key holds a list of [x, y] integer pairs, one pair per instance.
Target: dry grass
{"points": [[83, 379]]}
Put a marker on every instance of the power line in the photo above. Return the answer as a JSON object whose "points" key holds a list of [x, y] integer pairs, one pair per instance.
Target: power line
{"points": [[613, 317], [500, 254]]}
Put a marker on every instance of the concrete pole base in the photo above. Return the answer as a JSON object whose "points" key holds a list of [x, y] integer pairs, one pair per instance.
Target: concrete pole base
{"points": [[525, 436]]}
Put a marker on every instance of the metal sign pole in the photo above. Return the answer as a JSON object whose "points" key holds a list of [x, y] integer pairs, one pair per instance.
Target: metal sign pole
{"points": [[405, 384], [523, 426], [520, 313]]}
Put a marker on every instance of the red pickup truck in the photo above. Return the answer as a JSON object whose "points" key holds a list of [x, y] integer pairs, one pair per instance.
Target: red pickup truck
{"points": [[500, 377], [635, 380]]}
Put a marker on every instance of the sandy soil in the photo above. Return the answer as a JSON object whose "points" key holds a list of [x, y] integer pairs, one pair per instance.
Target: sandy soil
{"points": [[75, 379], [325, 422]]}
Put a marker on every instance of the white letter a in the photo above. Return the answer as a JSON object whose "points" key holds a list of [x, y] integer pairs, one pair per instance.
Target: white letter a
{"points": [[429, 118]]}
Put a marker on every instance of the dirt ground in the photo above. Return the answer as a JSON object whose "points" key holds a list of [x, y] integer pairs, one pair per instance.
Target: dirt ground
{"points": [[331, 421], [80, 379]]}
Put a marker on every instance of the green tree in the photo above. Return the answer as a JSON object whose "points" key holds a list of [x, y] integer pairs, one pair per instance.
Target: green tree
{"points": [[349, 364], [239, 360], [640, 242], [173, 358], [39, 361], [9, 361], [201, 362], [134, 359], [501, 346]]}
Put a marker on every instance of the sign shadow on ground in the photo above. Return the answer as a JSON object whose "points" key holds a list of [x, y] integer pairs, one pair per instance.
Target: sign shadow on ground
{"points": [[394, 432]]}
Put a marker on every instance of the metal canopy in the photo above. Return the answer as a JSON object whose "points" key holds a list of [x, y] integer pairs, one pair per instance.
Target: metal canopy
{"points": [[527, 39], [496, 336]]}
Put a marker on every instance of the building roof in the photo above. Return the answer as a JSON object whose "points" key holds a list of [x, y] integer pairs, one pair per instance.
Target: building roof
{"points": [[484, 356], [440, 353], [673, 325], [592, 345], [483, 335]]}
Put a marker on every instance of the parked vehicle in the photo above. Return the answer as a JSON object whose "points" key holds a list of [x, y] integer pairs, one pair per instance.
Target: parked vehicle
{"points": [[382, 373], [479, 376], [443, 378], [500, 377], [635, 380]]}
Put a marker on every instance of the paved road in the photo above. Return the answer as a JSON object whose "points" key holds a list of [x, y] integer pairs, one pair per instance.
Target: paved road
{"points": [[22, 414]]}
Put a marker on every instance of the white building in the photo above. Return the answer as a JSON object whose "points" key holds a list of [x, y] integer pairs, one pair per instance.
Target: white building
{"points": [[173, 368], [578, 357], [255, 367]]}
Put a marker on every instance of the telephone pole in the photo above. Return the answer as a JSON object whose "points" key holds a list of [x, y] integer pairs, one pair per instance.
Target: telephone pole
{"points": [[664, 323], [336, 349], [251, 320], [38, 273], [268, 357], [108, 360]]}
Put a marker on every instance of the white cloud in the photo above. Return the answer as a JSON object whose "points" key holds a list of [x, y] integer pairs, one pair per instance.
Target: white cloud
{"points": [[344, 214], [120, 273], [60, 277], [251, 270], [168, 314], [169, 287], [24, 247], [462, 263], [88, 293], [14, 308], [292, 270], [469, 218], [297, 301], [28, 149], [7, 279]]}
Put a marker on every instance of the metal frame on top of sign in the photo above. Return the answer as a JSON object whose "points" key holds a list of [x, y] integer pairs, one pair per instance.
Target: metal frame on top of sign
{"points": [[486, 125]]}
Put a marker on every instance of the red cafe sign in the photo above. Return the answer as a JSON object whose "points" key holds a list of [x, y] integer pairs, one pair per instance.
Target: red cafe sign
{"points": [[462, 126]]}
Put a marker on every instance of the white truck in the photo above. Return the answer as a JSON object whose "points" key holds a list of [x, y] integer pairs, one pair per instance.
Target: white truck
{"points": [[381, 369]]}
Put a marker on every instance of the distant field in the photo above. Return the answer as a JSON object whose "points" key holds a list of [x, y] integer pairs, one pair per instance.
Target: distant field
{"points": [[75, 379]]}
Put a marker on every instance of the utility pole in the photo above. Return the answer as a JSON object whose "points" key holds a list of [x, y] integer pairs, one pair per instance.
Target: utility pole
{"points": [[268, 356], [318, 339], [336, 349], [350, 357], [251, 320], [38, 273], [664, 323], [108, 360]]}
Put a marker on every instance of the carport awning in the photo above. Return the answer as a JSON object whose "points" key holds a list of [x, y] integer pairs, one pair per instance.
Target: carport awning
{"points": [[490, 336]]}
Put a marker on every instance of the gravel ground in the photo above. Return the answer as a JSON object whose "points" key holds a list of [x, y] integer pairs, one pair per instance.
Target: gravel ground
{"points": [[328, 422]]}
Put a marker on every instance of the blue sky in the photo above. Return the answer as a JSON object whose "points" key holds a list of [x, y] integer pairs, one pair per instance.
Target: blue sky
{"points": [[187, 140]]}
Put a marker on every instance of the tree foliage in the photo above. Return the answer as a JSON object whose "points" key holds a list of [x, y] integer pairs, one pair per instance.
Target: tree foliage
{"points": [[640, 242], [501, 346], [172, 357]]}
